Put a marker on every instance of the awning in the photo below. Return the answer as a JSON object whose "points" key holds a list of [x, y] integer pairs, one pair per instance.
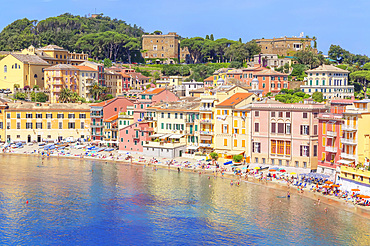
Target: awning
{"points": [[234, 152], [156, 135], [176, 136], [192, 147], [202, 137], [165, 136], [345, 162], [207, 101]]}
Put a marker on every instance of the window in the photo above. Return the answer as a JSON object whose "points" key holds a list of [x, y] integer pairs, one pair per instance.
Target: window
{"points": [[169, 115], [315, 130], [243, 143], [49, 116], [225, 142], [82, 124], [273, 127], [48, 125], [5, 69], [18, 125], [287, 128], [280, 147], [273, 146], [18, 116], [304, 115], [71, 116], [257, 114], [175, 115], [272, 114], [305, 150], [287, 148], [28, 125], [256, 147], [181, 115], [71, 125], [29, 116], [38, 116], [235, 143], [281, 114], [296, 164], [60, 125], [8, 115], [315, 150], [225, 128], [257, 127], [281, 128], [60, 116], [305, 130], [162, 115], [82, 116], [38, 125]]}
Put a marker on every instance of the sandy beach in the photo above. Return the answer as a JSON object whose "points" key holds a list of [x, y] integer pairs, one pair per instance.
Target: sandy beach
{"points": [[196, 166]]}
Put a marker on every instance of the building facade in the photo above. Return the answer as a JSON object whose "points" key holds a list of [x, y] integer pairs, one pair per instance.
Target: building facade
{"points": [[88, 77], [284, 46], [331, 81]]}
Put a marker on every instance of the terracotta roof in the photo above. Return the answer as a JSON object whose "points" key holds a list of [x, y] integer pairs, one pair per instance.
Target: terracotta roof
{"points": [[342, 101], [138, 75], [101, 104], [114, 117], [153, 91], [124, 75], [30, 59], [235, 99], [65, 107], [85, 68], [210, 78], [51, 47], [62, 67], [270, 72], [327, 68]]}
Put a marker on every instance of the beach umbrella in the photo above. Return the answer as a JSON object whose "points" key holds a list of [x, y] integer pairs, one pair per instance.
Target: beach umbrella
{"points": [[326, 186], [335, 185], [328, 182], [256, 168], [355, 190], [272, 170], [282, 170], [293, 173], [364, 196]]}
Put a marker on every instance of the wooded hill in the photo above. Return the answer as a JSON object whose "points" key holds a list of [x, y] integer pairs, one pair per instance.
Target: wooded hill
{"points": [[100, 37]]}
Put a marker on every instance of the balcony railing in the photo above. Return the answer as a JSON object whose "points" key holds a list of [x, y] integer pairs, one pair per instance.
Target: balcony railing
{"points": [[151, 144], [206, 121], [206, 133], [348, 141], [348, 156], [205, 145], [331, 149], [331, 134], [96, 125], [205, 109], [349, 128]]}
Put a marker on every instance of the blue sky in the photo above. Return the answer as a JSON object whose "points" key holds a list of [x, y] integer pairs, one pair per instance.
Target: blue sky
{"points": [[345, 23]]}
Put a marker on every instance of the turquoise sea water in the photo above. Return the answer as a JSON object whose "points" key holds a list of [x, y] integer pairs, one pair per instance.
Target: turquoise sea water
{"points": [[75, 202]]}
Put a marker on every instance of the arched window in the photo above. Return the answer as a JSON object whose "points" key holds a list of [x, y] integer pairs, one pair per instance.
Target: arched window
{"points": [[16, 65], [5, 69], [35, 76]]}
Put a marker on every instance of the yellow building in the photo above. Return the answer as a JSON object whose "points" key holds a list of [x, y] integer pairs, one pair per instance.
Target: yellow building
{"points": [[219, 76], [2, 122], [54, 55], [232, 130], [356, 135], [22, 70], [59, 77], [87, 78], [355, 178], [36, 122]]}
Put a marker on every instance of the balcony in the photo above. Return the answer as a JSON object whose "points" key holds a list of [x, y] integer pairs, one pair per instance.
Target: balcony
{"points": [[148, 118], [96, 125], [206, 133], [206, 145], [349, 128], [348, 141], [209, 109], [348, 156], [331, 134], [331, 149], [151, 144], [95, 116], [190, 121], [206, 121]]}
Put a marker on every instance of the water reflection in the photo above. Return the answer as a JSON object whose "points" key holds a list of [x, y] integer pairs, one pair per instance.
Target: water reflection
{"points": [[74, 202]]}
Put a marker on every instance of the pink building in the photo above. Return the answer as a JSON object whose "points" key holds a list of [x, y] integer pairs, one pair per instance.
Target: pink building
{"points": [[285, 134], [103, 111], [132, 137], [330, 134], [151, 97]]}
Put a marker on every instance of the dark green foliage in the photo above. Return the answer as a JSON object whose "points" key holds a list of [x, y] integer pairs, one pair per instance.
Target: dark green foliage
{"points": [[100, 37], [172, 70], [289, 96], [235, 64], [237, 158], [214, 155], [107, 62], [299, 71], [344, 56], [318, 96]]}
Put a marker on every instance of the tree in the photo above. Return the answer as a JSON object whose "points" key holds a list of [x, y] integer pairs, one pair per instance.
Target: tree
{"points": [[64, 96], [20, 96], [363, 78], [207, 37], [214, 156], [211, 37], [156, 75], [235, 64], [157, 32], [107, 62], [308, 57], [237, 158], [318, 96], [299, 71]]}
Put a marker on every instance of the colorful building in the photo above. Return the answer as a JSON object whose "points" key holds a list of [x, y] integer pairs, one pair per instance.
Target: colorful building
{"points": [[22, 70], [37, 122], [330, 137], [232, 133], [98, 67], [87, 78], [134, 137], [59, 77], [355, 178], [285, 134], [331, 81], [103, 111]]}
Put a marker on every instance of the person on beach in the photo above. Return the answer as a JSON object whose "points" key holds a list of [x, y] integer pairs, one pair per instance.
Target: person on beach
{"points": [[288, 194], [231, 182]]}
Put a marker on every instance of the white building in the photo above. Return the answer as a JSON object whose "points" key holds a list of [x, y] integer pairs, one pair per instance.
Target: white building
{"points": [[330, 80]]}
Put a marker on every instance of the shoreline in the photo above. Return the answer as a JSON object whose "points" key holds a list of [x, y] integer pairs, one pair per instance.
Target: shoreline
{"points": [[327, 200]]}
